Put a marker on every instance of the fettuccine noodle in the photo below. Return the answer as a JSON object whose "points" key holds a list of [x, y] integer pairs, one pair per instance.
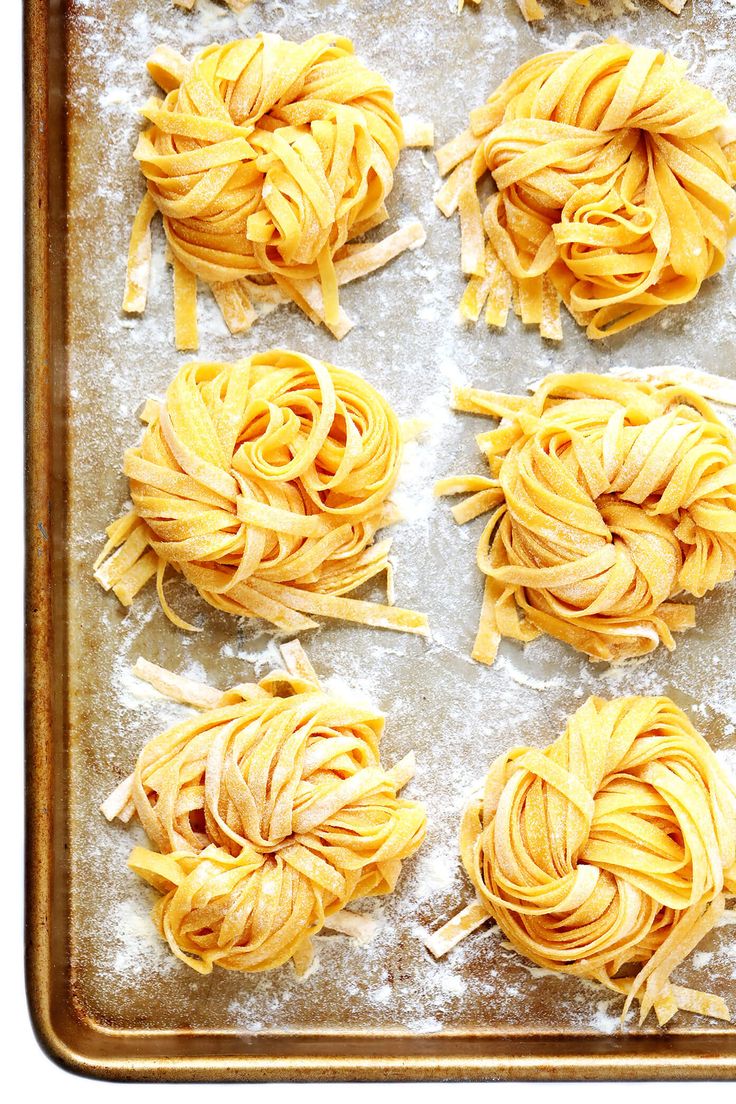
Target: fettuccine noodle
{"points": [[264, 483], [614, 846], [608, 497], [614, 179], [268, 813], [266, 158]]}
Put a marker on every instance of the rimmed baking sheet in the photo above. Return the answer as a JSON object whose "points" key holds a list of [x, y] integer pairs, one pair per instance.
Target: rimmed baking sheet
{"points": [[385, 1005]]}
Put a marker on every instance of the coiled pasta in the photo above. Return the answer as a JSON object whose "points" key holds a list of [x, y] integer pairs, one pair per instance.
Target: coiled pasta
{"points": [[268, 813], [614, 179], [266, 158], [613, 846], [608, 498], [264, 483]]}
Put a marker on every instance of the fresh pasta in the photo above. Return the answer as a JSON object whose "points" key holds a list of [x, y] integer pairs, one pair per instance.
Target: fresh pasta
{"points": [[608, 497], [613, 847], [614, 192], [267, 813], [266, 159], [264, 483]]}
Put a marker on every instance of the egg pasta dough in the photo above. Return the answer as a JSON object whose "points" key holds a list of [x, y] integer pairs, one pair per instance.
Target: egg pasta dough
{"points": [[263, 483], [268, 813], [266, 160], [608, 855], [614, 195], [607, 498]]}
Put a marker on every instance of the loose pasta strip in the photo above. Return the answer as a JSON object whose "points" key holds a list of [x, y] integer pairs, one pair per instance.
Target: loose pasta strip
{"points": [[268, 813], [614, 195], [265, 159], [614, 846], [607, 499], [264, 484]]}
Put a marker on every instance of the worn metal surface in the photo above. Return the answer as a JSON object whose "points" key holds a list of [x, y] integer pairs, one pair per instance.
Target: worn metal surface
{"points": [[95, 1009]]}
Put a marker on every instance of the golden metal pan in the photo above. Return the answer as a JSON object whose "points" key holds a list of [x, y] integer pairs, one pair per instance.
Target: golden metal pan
{"points": [[96, 1006]]}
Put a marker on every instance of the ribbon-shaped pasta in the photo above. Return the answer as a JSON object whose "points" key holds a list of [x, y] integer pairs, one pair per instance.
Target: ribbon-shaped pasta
{"points": [[264, 483], [614, 179], [609, 497], [615, 845], [266, 158], [268, 814]]}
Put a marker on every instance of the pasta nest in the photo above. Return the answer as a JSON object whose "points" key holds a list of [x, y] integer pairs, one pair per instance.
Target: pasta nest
{"points": [[263, 482], [614, 179], [609, 497], [615, 845], [269, 813], [265, 158]]}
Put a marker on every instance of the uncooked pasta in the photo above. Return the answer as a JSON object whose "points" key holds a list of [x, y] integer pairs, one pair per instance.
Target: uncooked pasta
{"points": [[608, 498], [607, 855], [268, 813], [264, 483], [266, 159], [614, 193]]}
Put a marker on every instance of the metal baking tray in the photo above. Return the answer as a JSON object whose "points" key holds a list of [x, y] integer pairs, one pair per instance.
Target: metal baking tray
{"points": [[106, 997]]}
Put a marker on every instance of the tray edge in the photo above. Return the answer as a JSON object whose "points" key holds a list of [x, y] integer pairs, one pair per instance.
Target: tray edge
{"points": [[71, 1043]]}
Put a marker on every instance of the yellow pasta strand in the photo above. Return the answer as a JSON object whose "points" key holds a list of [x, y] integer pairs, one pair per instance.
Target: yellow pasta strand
{"points": [[614, 846], [265, 159], [608, 498], [614, 178], [267, 814], [264, 483]]}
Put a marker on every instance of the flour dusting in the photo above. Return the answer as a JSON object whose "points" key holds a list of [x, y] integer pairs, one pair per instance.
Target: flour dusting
{"points": [[455, 714]]}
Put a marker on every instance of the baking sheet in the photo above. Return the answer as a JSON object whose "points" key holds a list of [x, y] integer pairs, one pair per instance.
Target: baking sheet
{"points": [[457, 715]]}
